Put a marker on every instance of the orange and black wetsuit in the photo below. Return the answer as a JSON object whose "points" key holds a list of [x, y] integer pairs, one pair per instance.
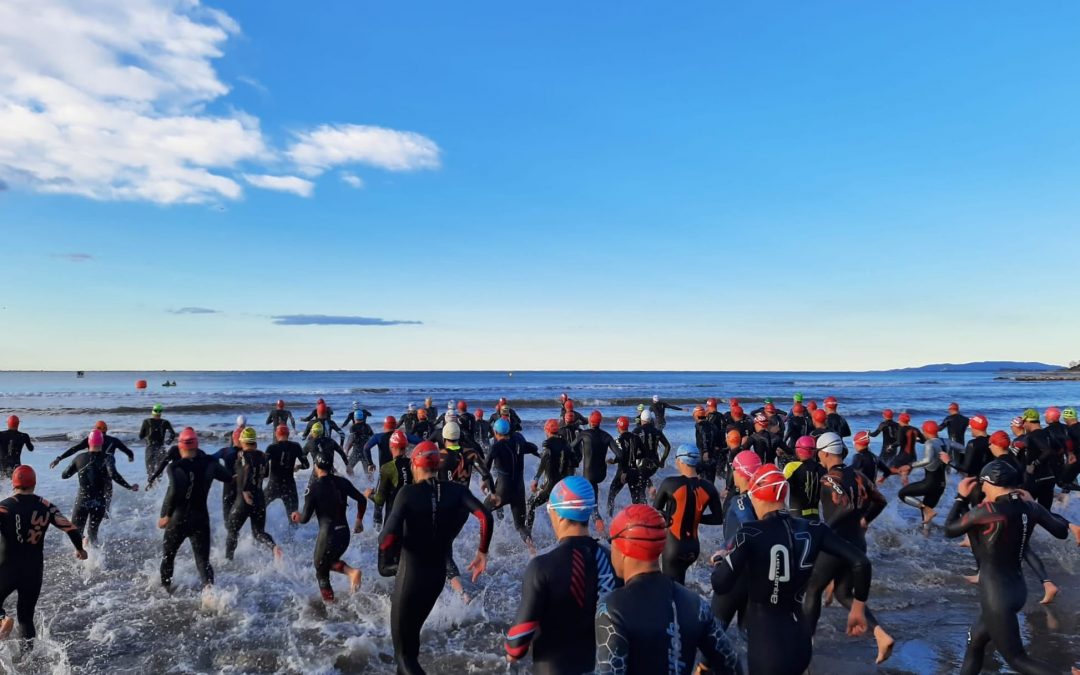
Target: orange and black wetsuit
{"points": [[683, 501]]}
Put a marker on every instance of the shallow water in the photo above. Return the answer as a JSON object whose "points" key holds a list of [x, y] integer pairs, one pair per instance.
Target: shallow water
{"points": [[110, 615]]}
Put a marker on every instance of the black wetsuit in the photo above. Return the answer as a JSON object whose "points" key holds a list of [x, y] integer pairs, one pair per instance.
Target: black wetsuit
{"points": [[769, 447], [804, 480], [352, 419], [23, 521], [868, 464], [12, 442], [957, 426], [593, 445], [889, 430], [557, 461], [652, 439], [932, 485], [359, 434], [776, 555], [847, 498], [1072, 458], [185, 506], [796, 427], [653, 625], [110, 447], [569, 432], [738, 511], [906, 438], [659, 411], [836, 423], [325, 448], [999, 532], [1059, 438], [558, 607], [381, 441], [328, 498], [393, 475], [683, 500], [96, 475], [1042, 458], [629, 453], [414, 545], [515, 421], [281, 482], [710, 443], [329, 426], [227, 457], [976, 455], [157, 433], [278, 418], [506, 466], [483, 435], [251, 468]]}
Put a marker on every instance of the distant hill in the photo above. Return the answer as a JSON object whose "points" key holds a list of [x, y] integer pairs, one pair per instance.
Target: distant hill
{"points": [[980, 367]]}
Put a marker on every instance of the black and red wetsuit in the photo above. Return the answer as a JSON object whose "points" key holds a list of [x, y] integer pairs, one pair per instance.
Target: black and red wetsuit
{"points": [[683, 500]]}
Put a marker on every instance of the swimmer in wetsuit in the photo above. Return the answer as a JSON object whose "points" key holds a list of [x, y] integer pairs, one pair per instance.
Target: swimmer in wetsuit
{"points": [[592, 446], [96, 474], [659, 410], [560, 589], [955, 423], [327, 498], [653, 624], [629, 452], [796, 425], [24, 518], [183, 511], [1042, 454], [890, 436], [738, 511], [866, 462], [804, 480], [279, 416], [999, 531], [557, 461], [251, 469], [684, 500], [505, 465], [932, 485], [158, 434], [12, 442], [834, 421], [414, 544], [907, 437], [393, 475], [281, 457], [710, 443], [774, 556]]}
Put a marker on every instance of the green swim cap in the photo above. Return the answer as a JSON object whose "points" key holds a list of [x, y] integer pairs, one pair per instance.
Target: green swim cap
{"points": [[1030, 415], [316, 429], [768, 400], [798, 397], [248, 437], [1069, 413], [157, 409]]}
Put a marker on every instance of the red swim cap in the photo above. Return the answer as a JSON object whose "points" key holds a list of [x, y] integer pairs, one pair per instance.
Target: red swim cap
{"points": [[569, 417], [101, 426], [930, 428], [569, 405], [746, 463], [639, 532], [479, 412], [426, 456], [862, 438], [954, 407], [282, 431], [830, 401], [770, 409], [189, 439], [398, 439], [798, 409], [819, 416], [462, 406], [320, 409], [390, 423], [768, 484], [711, 403], [1052, 415], [551, 426], [622, 423], [733, 436], [595, 418], [280, 404], [905, 418], [23, 478], [733, 403], [1000, 439], [761, 419], [811, 405], [737, 411], [805, 447], [13, 422], [978, 422], [421, 414], [887, 413]]}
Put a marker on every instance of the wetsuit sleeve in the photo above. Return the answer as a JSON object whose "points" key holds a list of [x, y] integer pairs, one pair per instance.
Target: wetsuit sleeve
{"points": [[529, 612], [835, 504], [877, 500], [715, 508], [301, 457], [857, 562], [270, 418], [116, 477], [612, 646], [81, 445], [160, 469], [876, 432], [365, 452], [961, 518], [169, 434], [845, 429], [928, 451], [662, 499], [57, 520], [341, 453], [483, 514], [541, 468], [72, 469], [727, 571], [170, 498], [714, 645], [358, 497], [144, 431], [309, 503], [292, 421], [667, 447], [28, 443], [119, 445], [1051, 522], [394, 524]]}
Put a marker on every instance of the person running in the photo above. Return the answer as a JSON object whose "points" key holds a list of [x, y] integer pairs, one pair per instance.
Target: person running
{"points": [[360, 432], [320, 444], [999, 531], [482, 433], [804, 476], [460, 456], [250, 471], [653, 624], [279, 416], [956, 424], [12, 442], [24, 518], [932, 485], [393, 475], [569, 428], [561, 588], [281, 457], [227, 457], [183, 511], [505, 465], [111, 446], [889, 430], [849, 503], [158, 433], [774, 555], [819, 422], [96, 474], [629, 452], [592, 446], [358, 414], [652, 439], [976, 453], [907, 437], [1072, 451], [503, 410], [796, 425], [738, 510], [323, 416], [1042, 455], [327, 498], [834, 421], [382, 442], [578, 420], [865, 461], [321, 411], [710, 443], [659, 410], [557, 461], [414, 544], [684, 500]]}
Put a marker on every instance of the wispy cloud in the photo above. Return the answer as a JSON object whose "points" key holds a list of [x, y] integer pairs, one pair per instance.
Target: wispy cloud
{"points": [[328, 320], [353, 180], [74, 257], [293, 184], [335, 145], [194, 310]]}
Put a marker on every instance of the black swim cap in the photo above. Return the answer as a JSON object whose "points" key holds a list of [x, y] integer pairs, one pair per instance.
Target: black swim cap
{"points": [[1001, 474], [325, 461]]}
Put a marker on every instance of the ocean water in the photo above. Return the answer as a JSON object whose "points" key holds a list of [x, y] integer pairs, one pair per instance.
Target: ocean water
{"points": [[110, 615]]}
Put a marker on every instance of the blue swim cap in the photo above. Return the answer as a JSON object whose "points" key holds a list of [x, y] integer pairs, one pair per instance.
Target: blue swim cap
{"points": [[501, 427], [573, 498], [688, 455]]}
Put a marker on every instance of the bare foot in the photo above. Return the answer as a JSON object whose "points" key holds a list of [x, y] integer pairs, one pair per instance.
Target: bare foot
{"points": [[965, 543], [1050, 591], [973, 579], [829, 595], [6, 624], [355, 578], [885, 643], [455, 584], [278, 553], [531, 546], [928, 515], [1076, 532]]}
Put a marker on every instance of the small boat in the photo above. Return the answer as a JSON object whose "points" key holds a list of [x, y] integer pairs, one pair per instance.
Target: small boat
{"points": [[79, 373]]}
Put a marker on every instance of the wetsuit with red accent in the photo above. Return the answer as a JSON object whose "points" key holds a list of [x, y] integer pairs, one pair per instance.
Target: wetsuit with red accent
{"points": [[23, 522], [775, 557], [12, 442], [847, 499], [889, 430], [684, 500], [906, 438], [558, 606], [999, 533], [327, 497], [415, 542]]}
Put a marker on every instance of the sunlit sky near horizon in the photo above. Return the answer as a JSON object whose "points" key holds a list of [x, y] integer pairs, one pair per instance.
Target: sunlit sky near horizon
{"points": [[563, 186]]}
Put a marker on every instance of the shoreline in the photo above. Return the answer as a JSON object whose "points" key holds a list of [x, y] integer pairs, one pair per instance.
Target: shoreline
{"points": [[1052, 376]]}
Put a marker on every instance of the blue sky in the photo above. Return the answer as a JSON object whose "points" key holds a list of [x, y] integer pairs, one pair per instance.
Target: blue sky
{"points": [[566, 186]]}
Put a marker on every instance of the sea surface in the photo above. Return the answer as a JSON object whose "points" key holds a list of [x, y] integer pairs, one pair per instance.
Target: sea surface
{"points": [[109, 614]]}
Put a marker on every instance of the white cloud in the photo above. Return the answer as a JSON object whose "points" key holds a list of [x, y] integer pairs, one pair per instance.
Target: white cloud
{"points": [[352, 180], [109, 100], [293, 184], [334, 145]]}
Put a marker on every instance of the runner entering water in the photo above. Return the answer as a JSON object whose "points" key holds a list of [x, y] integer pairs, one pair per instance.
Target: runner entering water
{"points": [[683, 500]]}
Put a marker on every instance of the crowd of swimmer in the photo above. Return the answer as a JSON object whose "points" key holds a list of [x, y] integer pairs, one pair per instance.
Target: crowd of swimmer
{"points": [[794, 509]]}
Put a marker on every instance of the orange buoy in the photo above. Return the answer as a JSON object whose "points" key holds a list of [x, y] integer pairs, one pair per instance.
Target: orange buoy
{"points": [[140, 384]]}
